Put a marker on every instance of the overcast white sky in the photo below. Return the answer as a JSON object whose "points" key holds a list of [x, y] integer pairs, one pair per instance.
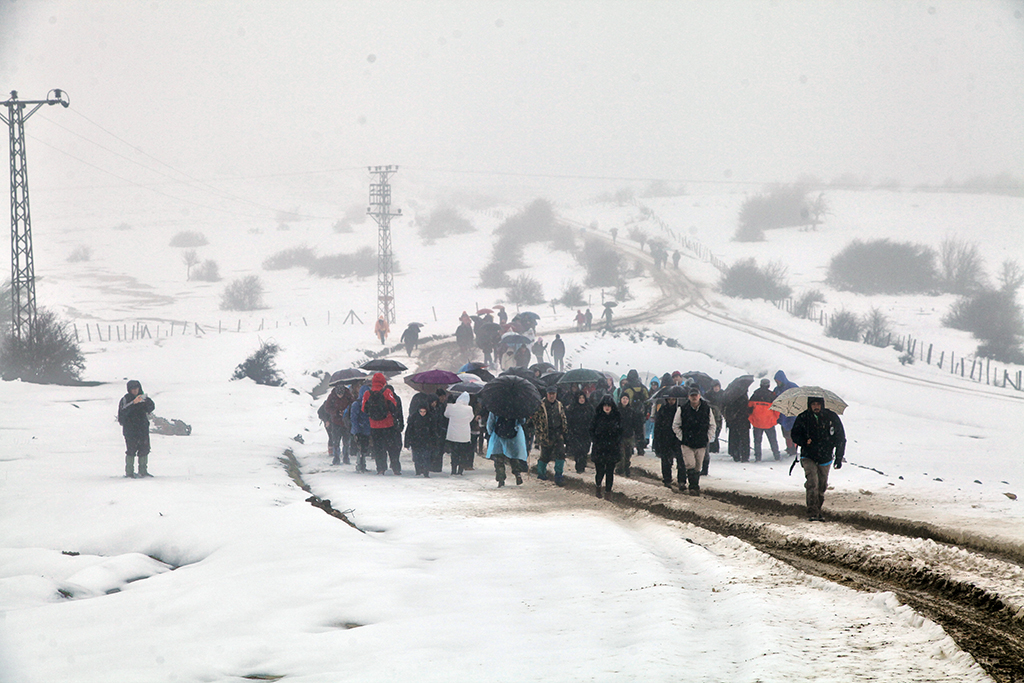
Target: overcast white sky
{"points": [[713, 91]]}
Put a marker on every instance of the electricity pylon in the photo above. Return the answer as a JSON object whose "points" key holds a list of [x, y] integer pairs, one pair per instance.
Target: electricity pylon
{"points": [[23, 272], [380, 210]]}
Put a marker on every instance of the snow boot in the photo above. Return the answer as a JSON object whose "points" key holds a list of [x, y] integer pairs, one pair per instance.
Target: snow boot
{"points": [[559, 481], [597, 492], [542, 470], [693, 478], [519, 479]]}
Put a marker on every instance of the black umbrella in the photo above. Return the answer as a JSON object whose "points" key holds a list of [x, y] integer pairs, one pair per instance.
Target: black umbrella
{"points": [[346, 376], [702, 379], [611, 304], [510, 396], [482, 373], [542, 367], [385, 365], [513, 339], [525, 373], [551, 378], [466, 388], [674, 391], [737, 388], [582, 376], [415, 325]]}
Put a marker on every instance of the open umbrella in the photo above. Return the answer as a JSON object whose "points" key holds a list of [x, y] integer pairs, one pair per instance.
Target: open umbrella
{"points": [[510, 396], [415, 325], [551, 378], [385, 365], [482, 373], [513, 339], [792, 402], [674, 391], [470, 377], [525, 373], [473, 365], [701, 379], [490, 328], [611, 304], [484, 311], [431, 380], [582, 376], [501, 306], [346, 376], [542, 367], [528, 314], [737, 388], [467, 388]]}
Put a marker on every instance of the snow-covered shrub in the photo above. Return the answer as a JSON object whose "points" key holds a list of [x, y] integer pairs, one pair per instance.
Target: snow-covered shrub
{"points": [[354, 215], [51, 357], [960, 266], [445, 221], [993, 317], [876, 328], [603, 264], [638, 236], [532, 224], [563, 238], [79, 254], [746, 280], [243, 294], [189, 238], [207, 271], [883, 267], [289, 258], [783, 206], [362, 263], [572, 294], [844, 325], [525, 290], [803, 307], [260, 368], [493, 276]]}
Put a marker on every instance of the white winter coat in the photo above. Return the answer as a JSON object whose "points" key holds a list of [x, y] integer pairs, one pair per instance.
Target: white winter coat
{"points": [[459, 415]]}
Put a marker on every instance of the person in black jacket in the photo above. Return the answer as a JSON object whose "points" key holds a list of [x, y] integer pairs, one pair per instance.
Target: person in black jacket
{"points": [[819, 433], [419, 438], [558, 353], [579, 413], [665, 443], [632, 426], [133, 415], [606, 436]]}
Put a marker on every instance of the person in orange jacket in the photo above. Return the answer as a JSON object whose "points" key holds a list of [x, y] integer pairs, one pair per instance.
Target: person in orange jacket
{"points": [[763, 419], [381, 329]]}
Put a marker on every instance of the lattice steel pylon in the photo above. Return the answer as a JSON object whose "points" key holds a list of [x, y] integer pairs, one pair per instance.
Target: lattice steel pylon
{"points": [[380, 210], [23, 273]]}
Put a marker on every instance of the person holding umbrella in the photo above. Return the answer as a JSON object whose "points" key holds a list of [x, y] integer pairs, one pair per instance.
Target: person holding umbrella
{"points": [[606, 435], [819, 433], [510, 400]]}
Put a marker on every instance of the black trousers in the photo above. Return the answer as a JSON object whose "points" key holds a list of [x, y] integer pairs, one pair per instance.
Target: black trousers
{"points": [[606, 471]]}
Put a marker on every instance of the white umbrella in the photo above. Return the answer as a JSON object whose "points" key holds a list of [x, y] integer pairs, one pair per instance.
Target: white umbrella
{"points": [[793, 401], [471, 378]]}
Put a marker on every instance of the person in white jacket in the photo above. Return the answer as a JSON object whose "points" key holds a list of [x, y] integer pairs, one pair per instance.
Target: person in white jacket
{"points": [[694, 425], [459, 415]]}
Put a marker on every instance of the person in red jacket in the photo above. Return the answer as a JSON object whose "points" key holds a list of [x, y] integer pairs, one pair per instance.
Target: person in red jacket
{"points": [[763, 419], [380, 404]]}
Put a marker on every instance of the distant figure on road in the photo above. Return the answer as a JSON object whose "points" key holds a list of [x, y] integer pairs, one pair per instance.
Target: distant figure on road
{"points": [[580, 319], [133, 415], [675, 259], [589, 318], [819, 433], [558, 353], [411, 338], [607, 315], [382, 329]]}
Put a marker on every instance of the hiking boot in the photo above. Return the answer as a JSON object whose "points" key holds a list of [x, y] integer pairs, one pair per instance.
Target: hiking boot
{"points": [[542, 474], [501, 483], [344, 461], [597, 491], [693, 492], [519, 479], [142, 475], [559, 481], [335, 462], [129, 475], [776, 456], [426, 475]]}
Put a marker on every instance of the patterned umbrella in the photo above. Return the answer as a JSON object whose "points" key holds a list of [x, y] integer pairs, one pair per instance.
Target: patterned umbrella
{"points": [[792, 402]]}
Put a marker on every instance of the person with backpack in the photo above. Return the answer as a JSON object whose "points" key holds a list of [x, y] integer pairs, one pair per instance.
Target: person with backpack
{"points": [[379, 404], [506, 446], [133, 415]]}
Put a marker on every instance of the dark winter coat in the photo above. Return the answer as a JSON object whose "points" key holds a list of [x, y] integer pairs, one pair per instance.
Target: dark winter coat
{"points": [[736, 413], [357, 418], [663, 438], [825, 432], [632, 421], [606, 433], [419, 432], [333, 409], [464, 336], [134, 417], [558, 349]]}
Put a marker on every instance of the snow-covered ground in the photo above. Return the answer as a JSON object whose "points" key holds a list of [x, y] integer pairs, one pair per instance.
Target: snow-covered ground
{"points": [[217, 570]]}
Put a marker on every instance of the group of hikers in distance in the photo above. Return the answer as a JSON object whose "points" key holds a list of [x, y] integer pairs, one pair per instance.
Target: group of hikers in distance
{"points": [[679, 416]]}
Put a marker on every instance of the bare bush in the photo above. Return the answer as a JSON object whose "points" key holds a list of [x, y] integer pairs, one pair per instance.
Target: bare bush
{"points": [[883, 267], [525, 290], [876, 328], [803, 307], [51, 356], [189, 238], [445, 221], [493, 276], [844, 325], [243, 294], [572, 294], [1011, 276], [960, 266], [79, 254], [190, 258], [207, 271], [746, 280], [354, 215], [290, 258]]}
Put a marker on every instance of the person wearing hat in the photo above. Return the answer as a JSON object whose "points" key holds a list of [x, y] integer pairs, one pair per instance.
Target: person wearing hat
{"points": [[332, 414], [133, 415], [694, 427], [763, 418], [549, 426], [822, 440]]}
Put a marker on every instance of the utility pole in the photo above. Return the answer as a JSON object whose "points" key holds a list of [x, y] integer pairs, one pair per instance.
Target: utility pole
{"points": [[380, 210], [23, 273]]}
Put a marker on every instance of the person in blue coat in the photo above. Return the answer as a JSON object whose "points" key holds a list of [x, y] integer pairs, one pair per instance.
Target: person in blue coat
{"points": [[502, 449], [785, 422], [360, 429]]}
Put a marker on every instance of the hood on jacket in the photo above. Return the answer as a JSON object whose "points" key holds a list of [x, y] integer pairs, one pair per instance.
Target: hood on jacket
{"points": [[815, 399], [463, 399], [576, 396], [781, 378], [607, 399], [633, 377], [378, 382], [134, 384]]}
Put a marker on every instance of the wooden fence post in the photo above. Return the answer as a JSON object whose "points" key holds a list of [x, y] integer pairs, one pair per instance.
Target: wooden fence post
{"points": [[929, 353]]}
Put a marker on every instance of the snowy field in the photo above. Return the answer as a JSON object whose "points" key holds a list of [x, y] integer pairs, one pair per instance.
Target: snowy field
{"points": [[217, 570]]}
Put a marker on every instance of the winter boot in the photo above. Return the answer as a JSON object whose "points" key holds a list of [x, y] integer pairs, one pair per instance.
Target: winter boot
{"points": [[693, 478], [143, 465], [542, 470], [519, 479], [597, 491], [559, 481]]}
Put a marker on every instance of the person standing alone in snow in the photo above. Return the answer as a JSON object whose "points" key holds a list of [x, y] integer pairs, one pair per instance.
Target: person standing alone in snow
{"points": [[819, 433], [382, 329], [558, 353], [133, 415]]}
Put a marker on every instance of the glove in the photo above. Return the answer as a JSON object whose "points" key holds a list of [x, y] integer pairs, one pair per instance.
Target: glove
{"points": [[839, 462]]}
